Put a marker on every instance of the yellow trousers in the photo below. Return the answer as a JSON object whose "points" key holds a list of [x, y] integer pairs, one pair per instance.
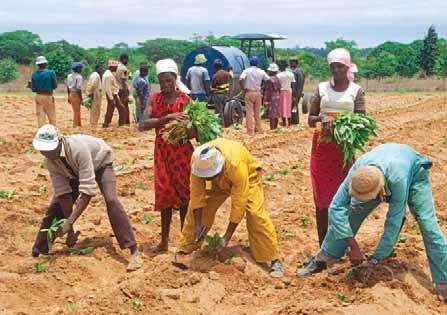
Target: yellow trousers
{"points": [[261, 232], [45, 107], [95, 111]]}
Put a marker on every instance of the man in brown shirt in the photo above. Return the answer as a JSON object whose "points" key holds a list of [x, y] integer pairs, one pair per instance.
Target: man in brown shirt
{"points": [[122, 77], [77, 165], [221, 87]]}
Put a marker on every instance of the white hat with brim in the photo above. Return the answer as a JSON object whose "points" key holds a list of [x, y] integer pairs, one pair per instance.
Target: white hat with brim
{"points": [[41, 60], [47, 138], [273, 67], [208, 161]]}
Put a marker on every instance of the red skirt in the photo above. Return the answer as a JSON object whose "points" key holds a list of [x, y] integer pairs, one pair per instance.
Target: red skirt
{"points": [[326, 171], [172, 168]]}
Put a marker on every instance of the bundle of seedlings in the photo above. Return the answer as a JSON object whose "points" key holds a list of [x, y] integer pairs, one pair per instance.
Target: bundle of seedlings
{"points": [[207, 126], [351, 132], [87, 103]]}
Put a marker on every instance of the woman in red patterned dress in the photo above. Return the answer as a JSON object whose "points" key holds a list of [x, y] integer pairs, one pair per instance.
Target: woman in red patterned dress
{"points": [[171, 162]]}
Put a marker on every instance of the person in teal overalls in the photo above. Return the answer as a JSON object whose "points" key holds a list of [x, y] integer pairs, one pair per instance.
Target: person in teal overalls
{"points": [[398, 175]]}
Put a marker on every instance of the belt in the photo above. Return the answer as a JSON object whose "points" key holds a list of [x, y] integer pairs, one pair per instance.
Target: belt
{"points": [[45, 93]]}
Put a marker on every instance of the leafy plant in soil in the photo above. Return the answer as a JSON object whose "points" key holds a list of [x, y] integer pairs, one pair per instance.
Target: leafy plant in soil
{"points": [[288, 234], [229, 260], [118, 168], [29, 151], [279, 130], [296, 166], [147, 218], [237, 126], [343, 297], [351, 132], [270, 177], [403, 239], [214, 241], [40, 267], [51, 230], [284, 171], [7, 194], [137, 304], [140, 186], [444, 142], [81, 251], [305, 220], [72, 307]]}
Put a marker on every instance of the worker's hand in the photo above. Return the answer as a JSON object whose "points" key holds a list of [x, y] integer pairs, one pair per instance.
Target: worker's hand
{"points": [[200, 232], [365, 268], [355, 255], [177, 116], [327, 122], [64, 228]]}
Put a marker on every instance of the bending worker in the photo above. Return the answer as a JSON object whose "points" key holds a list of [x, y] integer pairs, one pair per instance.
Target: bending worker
{"points": [[77, 165], [398, 175], [232, 172]]}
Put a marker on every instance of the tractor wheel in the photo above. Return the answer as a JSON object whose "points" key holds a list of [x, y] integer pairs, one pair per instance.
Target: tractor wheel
{"points": [[307, 101], [233, 113]]}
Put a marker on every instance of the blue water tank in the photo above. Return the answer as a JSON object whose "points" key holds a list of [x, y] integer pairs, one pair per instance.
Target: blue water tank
{"points": [[229, 56]]}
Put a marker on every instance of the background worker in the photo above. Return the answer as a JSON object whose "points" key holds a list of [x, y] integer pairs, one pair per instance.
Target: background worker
{"points": [[142, 90], [221, 88], [287, 80], [74, 90], [272, 95], [398, 175], [43, 83], [250, 82], [111, 89], [198, 79], [233, 172], [78, 164], [122, 77], [297, 89], [94, 92]]}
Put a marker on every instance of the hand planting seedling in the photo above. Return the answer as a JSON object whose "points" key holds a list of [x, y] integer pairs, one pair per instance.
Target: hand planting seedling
{"points": [[284, 171], [40, 267], [7, 194], [270, 177], [52, 230], [343, 297], [147, 218], [81, 251], [305, 220]]}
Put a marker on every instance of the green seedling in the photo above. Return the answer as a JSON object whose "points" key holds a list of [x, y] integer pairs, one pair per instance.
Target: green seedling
{"points": [[403, 239], [43, 189], [128, 162], [279, 130], [305, 220], [72, 307], [40, 267], [2, 142], [30, 152], [148, 157], [7, 194], [343, 297], [284, 171], [444, 142], [270, 177], [229, 260], [213, 242], [151, 177], [296, 166], [147, 218], [118, 147], [51, 230], [140, 186], [288, 234], [137, 304], [81, 251], [352, 274], [118, 168]]}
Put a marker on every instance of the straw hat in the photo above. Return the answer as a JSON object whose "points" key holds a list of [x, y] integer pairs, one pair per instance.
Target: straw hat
{"points": [[208, 161], [46, 139], [366, 183]]}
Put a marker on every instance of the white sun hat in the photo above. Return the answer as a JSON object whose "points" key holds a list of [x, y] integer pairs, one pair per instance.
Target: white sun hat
{"points": [[273, 67], [41, 60], [208, 161], [169, 65], [47, 138]]}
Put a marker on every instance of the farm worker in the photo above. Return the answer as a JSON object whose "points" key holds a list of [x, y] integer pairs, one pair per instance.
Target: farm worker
{"points": [[287, 80], [297, 88], [94, 90], [272, 96], [198, 79], [78, 164], [74, 90], [221, 87], [142, 90], [250, 82], [122, 78], [171, 162], [229, 170], [327, 170], [111, 89], [43, 83], [396, 174]]}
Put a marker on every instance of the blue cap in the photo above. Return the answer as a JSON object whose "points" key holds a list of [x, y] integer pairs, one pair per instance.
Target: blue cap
{"points": [[77, 65], [253, 61]]}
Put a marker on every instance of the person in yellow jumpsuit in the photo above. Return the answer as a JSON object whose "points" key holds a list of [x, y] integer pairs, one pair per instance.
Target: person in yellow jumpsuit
{"points": [[220, 169]]}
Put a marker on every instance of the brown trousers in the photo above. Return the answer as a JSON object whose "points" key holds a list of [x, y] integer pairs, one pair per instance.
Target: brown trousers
{"points": [[253, 101], [95, 111], [75, 101], [125, 113], [121, 227], [45, 107], [111, 105]]}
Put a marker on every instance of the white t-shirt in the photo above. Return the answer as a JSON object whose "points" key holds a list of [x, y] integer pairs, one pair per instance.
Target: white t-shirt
{"points": [[253, 77], [196, 75], [74, 82], [286, 78], [333, 101]]}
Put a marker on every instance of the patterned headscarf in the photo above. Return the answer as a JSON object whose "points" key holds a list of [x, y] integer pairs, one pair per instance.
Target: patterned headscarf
{"points": [[343, 56]]}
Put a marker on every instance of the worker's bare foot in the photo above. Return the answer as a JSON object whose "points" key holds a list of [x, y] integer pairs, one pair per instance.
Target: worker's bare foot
{"points": [[160, 248], [135, 262]]}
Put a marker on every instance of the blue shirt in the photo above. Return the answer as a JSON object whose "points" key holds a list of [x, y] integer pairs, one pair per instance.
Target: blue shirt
{"points": [[141, 86], [43, 81], [399, 164]]}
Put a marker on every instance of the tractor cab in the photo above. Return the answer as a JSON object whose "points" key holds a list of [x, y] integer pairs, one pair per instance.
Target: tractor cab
{"points": [[261, 46]]}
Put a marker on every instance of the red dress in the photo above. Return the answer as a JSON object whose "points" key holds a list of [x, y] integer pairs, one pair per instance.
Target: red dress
{"points": [[172, 163]]}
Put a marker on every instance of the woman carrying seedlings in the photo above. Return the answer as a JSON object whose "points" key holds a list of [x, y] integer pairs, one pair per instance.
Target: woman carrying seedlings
{"points": [[220, 169], [327, 168], [171, 162], [272, 95]]}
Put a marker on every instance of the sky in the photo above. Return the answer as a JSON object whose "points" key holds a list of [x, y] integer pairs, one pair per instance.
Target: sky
{"points": [[93, 23]]}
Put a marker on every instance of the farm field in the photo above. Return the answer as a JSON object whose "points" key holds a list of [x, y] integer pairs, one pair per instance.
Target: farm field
{"points": [[97, 283]]}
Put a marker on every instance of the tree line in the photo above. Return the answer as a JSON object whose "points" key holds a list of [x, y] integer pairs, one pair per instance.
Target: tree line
{"points": [[422, 57]]}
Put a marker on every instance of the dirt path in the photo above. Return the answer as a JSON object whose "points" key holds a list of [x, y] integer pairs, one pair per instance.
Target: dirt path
{"points": [[98, 284]]}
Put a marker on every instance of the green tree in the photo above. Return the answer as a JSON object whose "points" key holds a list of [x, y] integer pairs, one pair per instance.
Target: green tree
{"points": [[382, 64], [60, 63], [440, 68], [75, 52], [22, 46], [347, 44], [427, 57], [156, 49], [405, 58], [8, 70]]}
